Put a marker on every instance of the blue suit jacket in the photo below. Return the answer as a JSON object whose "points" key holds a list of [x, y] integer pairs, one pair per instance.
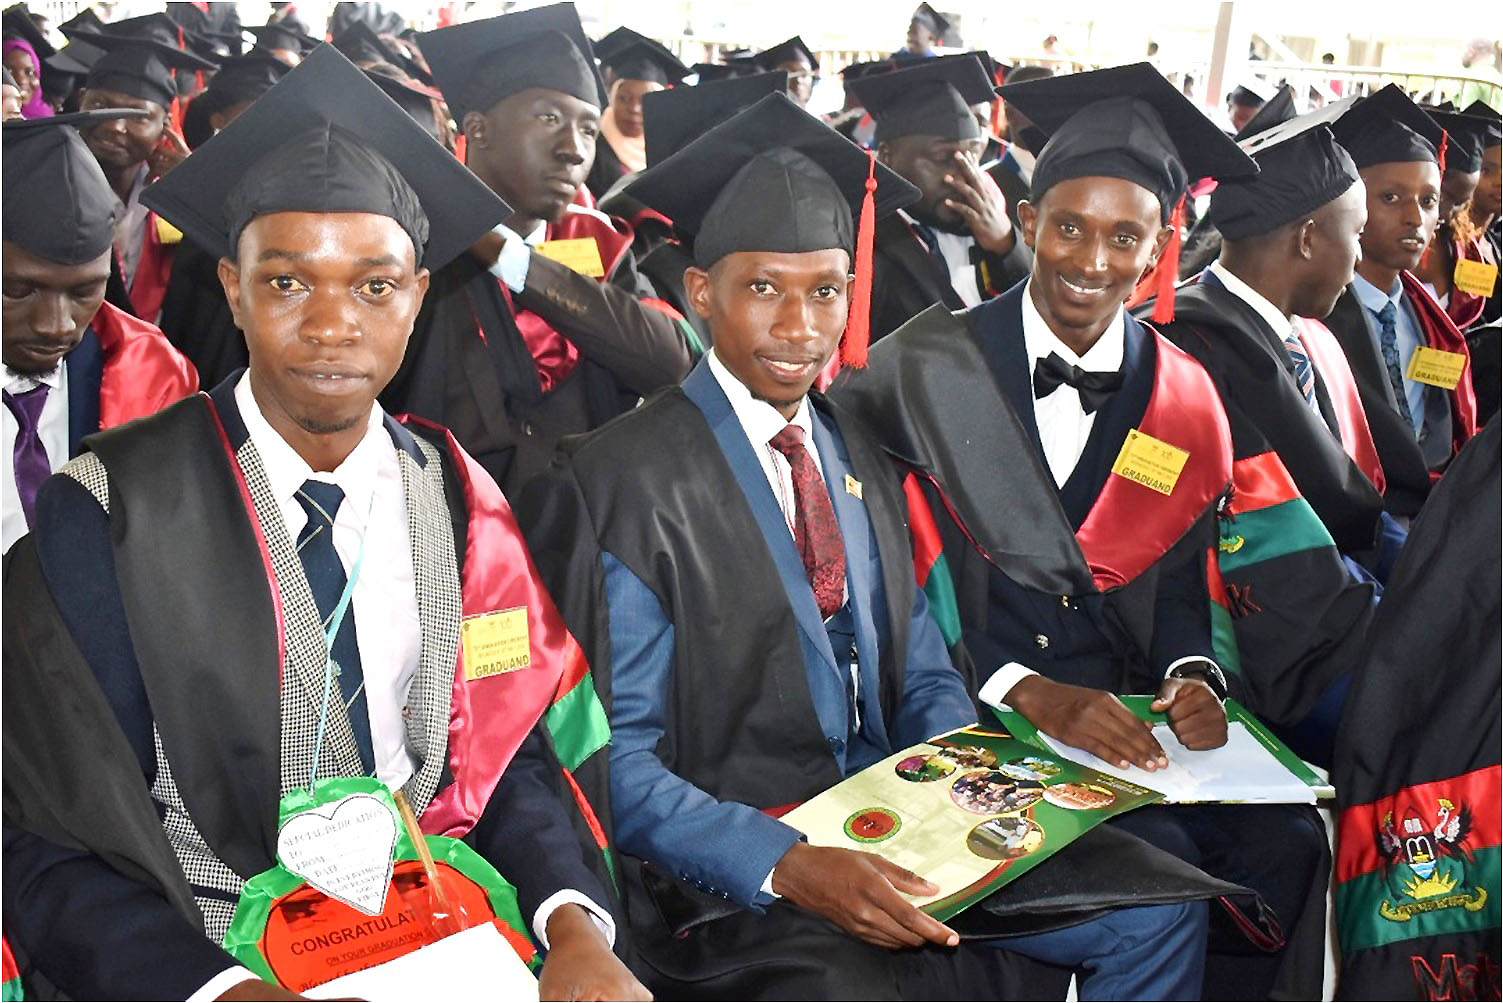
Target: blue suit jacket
{"points": [[726, 848]]}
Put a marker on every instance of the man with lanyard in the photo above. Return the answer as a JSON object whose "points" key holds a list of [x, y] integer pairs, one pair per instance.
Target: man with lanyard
{"points": [[197, 580], [1079, 556], [762, 629], [957, 244], [542, 329], [73, 363]]}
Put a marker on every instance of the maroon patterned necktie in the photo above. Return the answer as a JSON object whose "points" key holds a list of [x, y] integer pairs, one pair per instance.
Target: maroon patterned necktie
{"points": [[815, 530]]}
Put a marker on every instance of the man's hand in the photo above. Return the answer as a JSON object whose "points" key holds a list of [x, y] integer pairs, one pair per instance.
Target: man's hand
{"points": [[167, 154], [257, 989], [1093, 720], [580, 965], [1197, 717], [981, 204], [860, 893]]}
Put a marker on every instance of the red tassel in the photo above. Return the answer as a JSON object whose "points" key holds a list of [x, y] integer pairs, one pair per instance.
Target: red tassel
{"points": [[1166, 272], [858, 323], [1440, 154]]}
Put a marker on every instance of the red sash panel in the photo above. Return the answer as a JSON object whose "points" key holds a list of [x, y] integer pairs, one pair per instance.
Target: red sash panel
{"points": [[142, 373], [1330, 361], [1440, 333], [153, 269]]}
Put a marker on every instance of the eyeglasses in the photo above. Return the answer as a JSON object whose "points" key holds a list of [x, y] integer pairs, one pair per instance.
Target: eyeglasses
{"points": [[804, 77]]}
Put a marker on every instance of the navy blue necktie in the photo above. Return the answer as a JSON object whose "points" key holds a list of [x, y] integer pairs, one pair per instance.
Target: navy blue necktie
{"points": [[1388, 342], [930, 238], [327, 579]]}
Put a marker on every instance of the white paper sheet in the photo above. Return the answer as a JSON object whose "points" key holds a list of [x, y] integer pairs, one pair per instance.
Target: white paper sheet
{"points": [[475, 964]]}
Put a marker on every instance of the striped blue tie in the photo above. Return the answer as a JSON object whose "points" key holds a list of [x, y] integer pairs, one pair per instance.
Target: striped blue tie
{"points": [[1388, 342], [1304, 372]]}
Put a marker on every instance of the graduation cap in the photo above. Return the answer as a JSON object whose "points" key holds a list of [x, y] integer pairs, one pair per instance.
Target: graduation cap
{"points": [[280, 36], [246, 78], [709, 73], [1464, 138], [637, 57], [1275, 111], [157, 28], [1389, 128], [373, 15], [932, 19], [85, 19], [58, 204], [1303, 170], [1493, 136], [1252, 92], [325, 139], [1128, 122], [785, 52], [480, 63], [855, 71], [672, 118], [928, 98], [360, 44], [613, 40], [414, 98], [775, 178], [16, 22], [75, 59], [140, 67]]}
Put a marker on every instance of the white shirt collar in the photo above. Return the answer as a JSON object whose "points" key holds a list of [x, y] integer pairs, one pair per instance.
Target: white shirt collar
{"points": [[286, 470], [1272, 315], [760, 420], [1039, 339], [20, 383], [536, 236]]}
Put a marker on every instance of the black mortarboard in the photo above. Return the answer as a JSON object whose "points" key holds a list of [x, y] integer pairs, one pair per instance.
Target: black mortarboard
{"points": [[931, 97], [247, 77], [1275, 111], [785, 52], [1388, 128], [360, 44], [16, 22], [58, 204], [371, 14], [932, 19], [1494, 134], [478, 64], [414, 98], [157, 28], [637, 57], [673, 118], [280, 36], [85, 19], [140, 67], [1464, 138], [855, 71], [325, 139], [1124, 122], [1251, 92], [75, 58], [1305, 170], [711, 73], [606, 45], [775, 178]]}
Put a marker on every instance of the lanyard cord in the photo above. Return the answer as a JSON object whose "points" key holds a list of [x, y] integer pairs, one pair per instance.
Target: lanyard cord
{"points": [[331, 669]]}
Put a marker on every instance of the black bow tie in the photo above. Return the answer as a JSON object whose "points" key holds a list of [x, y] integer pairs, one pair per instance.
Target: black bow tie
{"points": [[1094, 388]]}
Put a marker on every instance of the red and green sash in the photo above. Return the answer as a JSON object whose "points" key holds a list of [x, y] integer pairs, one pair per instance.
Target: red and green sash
{"points": [[1330, 361]]}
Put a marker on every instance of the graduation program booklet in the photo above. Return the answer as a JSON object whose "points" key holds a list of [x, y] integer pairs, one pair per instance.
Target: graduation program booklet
{"points": [[971, 811], [1253, 767]]}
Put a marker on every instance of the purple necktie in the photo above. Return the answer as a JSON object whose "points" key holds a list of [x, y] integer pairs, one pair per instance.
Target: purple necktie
{"points": [[31, 464]]}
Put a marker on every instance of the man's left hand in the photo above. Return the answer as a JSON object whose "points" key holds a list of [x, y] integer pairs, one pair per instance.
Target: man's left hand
{"points": [[167, 154], [1194, 713], [981, 204], [580, 965]]}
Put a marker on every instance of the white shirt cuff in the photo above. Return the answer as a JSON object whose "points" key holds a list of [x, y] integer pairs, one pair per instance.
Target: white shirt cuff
{"points": [[568, 896], [994, 691], [767, 886], [1188, 658], [515, 258], [222, 983]]}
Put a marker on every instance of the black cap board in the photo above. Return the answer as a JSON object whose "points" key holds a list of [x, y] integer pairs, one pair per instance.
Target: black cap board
{"points": [[1388, 128], [482, 62], [785, 52], [1124, 122], [1276, 110], [730, 69], [673, 118], [932, 19], [1305, 170], [280, 36], [85, 19], [772, 178], [16, 22], [637, 57], [75, 58], [360, 44], [606, 45], [1464, 138], [157, 28], [855, 71], [1494, 135], [58, 204], [414, 98], [932, 97], [1251, 92], [140, 67], [377, 17], [325, 139]]}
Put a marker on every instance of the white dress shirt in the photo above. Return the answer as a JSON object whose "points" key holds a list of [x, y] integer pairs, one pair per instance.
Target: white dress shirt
{"points": [[52, 429], [955, 248], [130, 230]]}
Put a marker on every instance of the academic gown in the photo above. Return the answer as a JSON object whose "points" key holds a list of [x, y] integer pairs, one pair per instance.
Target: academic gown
{"points": [[85, 636], [469, 368], [605, 171], [1483, 340], [1404, 468], [196, 316], [1100, 582]]}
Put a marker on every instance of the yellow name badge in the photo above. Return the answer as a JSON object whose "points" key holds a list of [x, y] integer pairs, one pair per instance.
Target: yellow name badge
{"points": [[169, 234], [1476, 278], [1436, 368], [495, 643], [1148, 461], [577, 253]]}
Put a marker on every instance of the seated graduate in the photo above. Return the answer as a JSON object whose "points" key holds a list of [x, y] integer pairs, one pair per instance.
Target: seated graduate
{"points": [[513, 351], [764, 635], [1457, 236], [633, 67], [193, 579], [957, 244], [1081, 573], [74, 364], [1305, 484], [796, 59], [1483, 215], [1385, 317]]}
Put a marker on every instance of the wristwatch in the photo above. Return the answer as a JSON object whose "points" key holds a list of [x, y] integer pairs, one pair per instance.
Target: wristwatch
{"points": [[1205, 670]]}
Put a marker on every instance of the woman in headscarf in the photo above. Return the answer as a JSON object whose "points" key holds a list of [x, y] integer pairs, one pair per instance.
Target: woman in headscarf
{"points": [[21, 59]]}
